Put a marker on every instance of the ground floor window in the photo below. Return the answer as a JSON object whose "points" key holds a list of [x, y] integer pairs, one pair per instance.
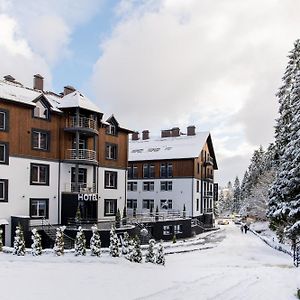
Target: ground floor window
{"points": [[132, 203], [166, 204], [167, 229], [3, 190], [39, 208], [110, 207], [148, 203], [177, 228]]}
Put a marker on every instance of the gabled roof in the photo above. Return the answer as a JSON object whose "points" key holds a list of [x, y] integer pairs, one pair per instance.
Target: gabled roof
{"points": [[76, 99], [170, 147]]}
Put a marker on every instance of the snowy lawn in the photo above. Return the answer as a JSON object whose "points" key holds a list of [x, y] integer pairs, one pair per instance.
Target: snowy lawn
{"points": [[238, 266]]}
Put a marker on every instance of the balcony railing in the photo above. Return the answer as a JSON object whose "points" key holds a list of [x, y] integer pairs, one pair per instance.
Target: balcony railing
{"points": [[81, 122], [208, 194], [83, 154], [208, 176], [209, 161], [81, 188]]}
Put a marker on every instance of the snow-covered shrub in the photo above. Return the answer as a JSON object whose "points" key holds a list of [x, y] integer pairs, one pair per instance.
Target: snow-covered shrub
{"points": [[136, 253], [95, 243], [1, 243], [125, 244], [150, 255], [36, 246], [59, 245], [130, 250], [19, 243], [114, 243], [160, 256], [80, 243]]}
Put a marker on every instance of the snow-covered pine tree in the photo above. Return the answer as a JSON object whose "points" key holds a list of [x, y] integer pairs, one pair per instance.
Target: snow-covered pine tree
{"points": [[19, 243], [95, 242], [124, 216], [80, 243], [130, 250], [36, 246], [236, 195], [136, 254], [125, 244], [150, 255], [160, 256], [114, 243], [59, 245], [118, 219], [1, 243]]}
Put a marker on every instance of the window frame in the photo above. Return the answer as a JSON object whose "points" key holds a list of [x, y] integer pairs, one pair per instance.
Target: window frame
{"points": [[47, 109], [107, 183], [109, 153], [168, 202], [40, 132], [132, 186], [38, 217], [131, 203], [167, 229], [168, 186], [39, 166], [112, 129], [148, 186], [177, 228], [5, 190], [5, 114], [149, 203], [115, 204], [5, 160]]}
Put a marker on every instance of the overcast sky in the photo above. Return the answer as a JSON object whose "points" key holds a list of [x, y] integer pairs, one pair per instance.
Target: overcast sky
{"points": [[157, 64]]}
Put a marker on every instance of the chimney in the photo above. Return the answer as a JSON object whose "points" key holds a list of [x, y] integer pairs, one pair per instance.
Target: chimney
{"points": [[38, 82], [135, 136], [68, 89], [175, 131], [191, 130], [9, 78], [145, 134], [165, 133]]}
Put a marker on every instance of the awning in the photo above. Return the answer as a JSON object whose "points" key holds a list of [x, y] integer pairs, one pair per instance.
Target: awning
{"points": [[3, 222]]}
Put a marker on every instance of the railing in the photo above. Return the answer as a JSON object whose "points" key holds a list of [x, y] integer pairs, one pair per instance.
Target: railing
{"points": [[209, 161], [207, 210], [81, 188], [208, 176], [81, 122], [143, 217], [83, 154], [208, 194]]}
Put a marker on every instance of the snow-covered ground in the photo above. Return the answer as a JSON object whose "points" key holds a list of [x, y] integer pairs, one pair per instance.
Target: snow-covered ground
{"points": [[233, 266]]}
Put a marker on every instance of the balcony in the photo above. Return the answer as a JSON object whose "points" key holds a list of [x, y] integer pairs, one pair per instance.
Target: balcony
{"points": [[208, 194], [81, 188], [209, 161], [85, 156], [209, 177], [87, 125]]}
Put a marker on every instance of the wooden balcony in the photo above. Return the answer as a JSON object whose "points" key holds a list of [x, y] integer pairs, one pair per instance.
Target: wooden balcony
{"points": [[87, 125]]}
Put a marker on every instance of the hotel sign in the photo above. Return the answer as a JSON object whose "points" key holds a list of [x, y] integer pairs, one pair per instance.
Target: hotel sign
{"points": [[87, 197]]}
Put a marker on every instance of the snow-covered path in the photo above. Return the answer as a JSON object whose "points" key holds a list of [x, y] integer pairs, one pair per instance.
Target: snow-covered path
{"points": [[239, 267]]}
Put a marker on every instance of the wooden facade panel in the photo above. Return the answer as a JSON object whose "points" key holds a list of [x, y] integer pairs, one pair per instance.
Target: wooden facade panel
{"points": [[201, 169]]}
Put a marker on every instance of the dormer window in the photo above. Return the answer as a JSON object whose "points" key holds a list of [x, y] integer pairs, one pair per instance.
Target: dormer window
{"points": [[41, 111], [111, 129]]}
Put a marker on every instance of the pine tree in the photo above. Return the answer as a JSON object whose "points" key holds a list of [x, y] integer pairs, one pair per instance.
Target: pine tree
{"points": [[114, 243], [150, 255], [136, 254], [184, 212], [236, 195], [95, 242], [80, 243], [36, 246], [125, 244], [1, 243], [160, 256], [59, 245], [19, 243], [130, 250]]}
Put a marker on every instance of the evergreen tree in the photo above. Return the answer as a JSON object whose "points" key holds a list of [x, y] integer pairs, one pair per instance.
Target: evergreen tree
{"points": [[236, 195], [130, 250], [59, 245], [125, 244], [95, 242], [124, 219], [150, 255], [156, 213], [114, 243], [184, 212], [118, 218], [19, 243], [136, 254], [1, 243], [160, 256], [36, 246], [80, 243]]}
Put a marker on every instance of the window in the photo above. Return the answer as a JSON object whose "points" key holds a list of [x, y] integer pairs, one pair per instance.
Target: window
{"points": [[166, 185], [111, 151], [4, 153], [167, 230], [177, 228], [39, 208], [132, 172], [41, 111], [110, 207], [111, 129], [146, 171], [148, 186], [170, 170], [3, 190], [163, 170], [132, 203], [148, 203], [40, 140], [198, 186], [151, 171], [39, 174], [166, 204], [132, 186], [3, 120], [201, 207], [111, 179], [197, 204], [198, 168]]}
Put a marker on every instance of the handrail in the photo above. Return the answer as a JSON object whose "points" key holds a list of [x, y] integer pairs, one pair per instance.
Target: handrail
{"points": [[83, 154], [82, 122]]}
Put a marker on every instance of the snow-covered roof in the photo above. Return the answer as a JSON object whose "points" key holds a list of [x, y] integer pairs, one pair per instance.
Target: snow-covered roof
{"points": [[184, 146], [76, 99]]}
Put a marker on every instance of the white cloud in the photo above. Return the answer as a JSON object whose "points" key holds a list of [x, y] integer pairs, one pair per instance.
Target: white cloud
{"points": [[217, 63]]}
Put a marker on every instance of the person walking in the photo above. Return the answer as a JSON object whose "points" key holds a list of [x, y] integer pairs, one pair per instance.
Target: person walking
{"points": [[242, 228], [246, 228]]}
